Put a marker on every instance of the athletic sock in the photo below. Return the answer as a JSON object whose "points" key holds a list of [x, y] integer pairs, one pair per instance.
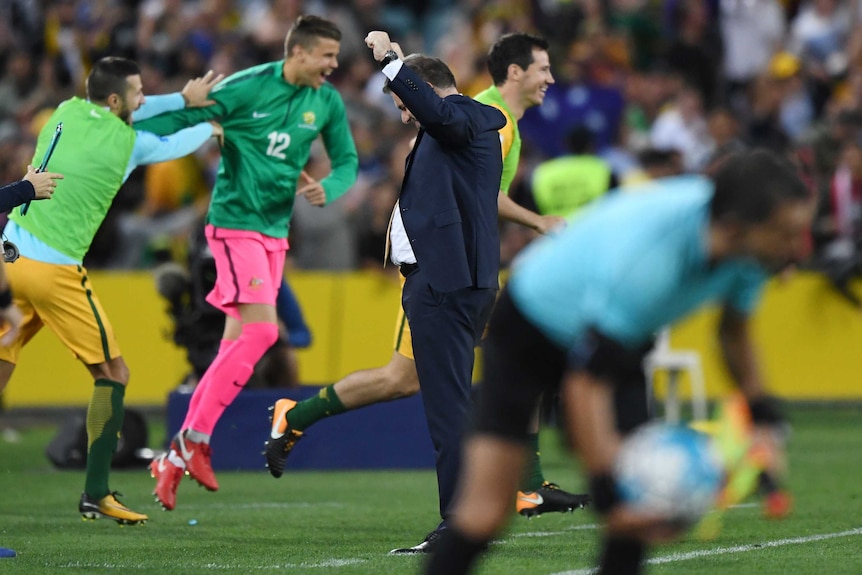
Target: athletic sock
{"points": [[454, 554], [104, 423], [315, 408], [200, 389], [197, 436], [621, 556], [533, 477], [229, 373]]}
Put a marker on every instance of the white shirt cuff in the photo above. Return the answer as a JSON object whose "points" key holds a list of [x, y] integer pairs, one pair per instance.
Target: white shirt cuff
{"points": [[392, 68]]}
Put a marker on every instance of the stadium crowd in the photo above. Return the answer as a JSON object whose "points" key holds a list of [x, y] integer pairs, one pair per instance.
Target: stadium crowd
{"points": [[659, 87]]}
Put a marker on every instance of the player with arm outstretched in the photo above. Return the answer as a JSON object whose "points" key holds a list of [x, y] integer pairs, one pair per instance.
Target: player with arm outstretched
{"points": [[271, 113], [50, 284]]}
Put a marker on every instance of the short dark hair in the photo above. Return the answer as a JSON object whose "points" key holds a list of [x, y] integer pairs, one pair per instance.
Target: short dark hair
{"points": [[110, 76], [657, 157], [516, 48], [749, 186], [307, 30], [580, 140], [432, 70]]}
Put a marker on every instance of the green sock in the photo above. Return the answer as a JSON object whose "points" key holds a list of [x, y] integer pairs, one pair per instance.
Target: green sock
{"points": [[104, 422], [313, 409], [533, 478]]}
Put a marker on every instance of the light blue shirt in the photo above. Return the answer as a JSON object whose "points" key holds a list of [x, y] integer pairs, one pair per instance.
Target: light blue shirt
{"points": [[148, 149], [630, 264]]}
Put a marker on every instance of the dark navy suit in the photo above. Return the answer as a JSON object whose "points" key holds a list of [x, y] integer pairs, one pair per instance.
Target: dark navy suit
{"points": [[448, 205]]}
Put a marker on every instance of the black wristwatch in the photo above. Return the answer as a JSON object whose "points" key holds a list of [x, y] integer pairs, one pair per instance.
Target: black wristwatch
{"points": [[388, 57]]}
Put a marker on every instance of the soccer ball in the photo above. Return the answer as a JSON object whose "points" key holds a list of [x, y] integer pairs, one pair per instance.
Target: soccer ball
{"points": [[669, 471]]}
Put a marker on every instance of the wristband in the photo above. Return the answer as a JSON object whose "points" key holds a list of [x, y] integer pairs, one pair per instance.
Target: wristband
{"points": [[5, 298], [765, 411], [603, 489]]}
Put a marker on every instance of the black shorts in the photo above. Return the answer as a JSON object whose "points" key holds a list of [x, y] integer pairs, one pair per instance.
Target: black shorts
{"points": [[520, 364]]}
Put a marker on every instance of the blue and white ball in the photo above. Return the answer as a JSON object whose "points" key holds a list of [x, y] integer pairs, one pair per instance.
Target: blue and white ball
{"points": [[669, 471]]}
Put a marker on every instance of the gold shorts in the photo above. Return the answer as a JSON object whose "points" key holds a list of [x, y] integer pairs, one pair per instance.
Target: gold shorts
{"points": [[61, 297], [403, 338]]}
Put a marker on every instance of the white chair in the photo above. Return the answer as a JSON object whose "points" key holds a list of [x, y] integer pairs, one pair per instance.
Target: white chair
{"points": [[675, 361]]}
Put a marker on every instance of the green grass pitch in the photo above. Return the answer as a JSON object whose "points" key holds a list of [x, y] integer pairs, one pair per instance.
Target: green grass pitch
{"points": [[345, 522]]}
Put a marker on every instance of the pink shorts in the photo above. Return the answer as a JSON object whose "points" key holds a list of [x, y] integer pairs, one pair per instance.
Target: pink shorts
{"points": [[249, 267]]}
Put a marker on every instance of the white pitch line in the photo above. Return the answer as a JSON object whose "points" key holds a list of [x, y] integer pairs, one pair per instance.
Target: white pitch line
{"points": [[736, 549], [550, 533]]}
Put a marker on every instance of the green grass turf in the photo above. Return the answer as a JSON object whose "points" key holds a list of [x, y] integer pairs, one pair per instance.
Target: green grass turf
{"points": [[345, 523]]}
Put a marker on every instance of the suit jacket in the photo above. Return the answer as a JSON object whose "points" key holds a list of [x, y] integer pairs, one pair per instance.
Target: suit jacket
{"points": [[449, 194]]}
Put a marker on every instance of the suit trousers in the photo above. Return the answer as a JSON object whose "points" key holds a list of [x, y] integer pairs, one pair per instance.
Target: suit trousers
{"points": [[446, 327]]}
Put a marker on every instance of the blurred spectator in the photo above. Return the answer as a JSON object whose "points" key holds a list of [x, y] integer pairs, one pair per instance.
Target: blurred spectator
{"points": [[764, 128], [564, 185], [829, 138], [839, 222], [838, 227], [818, 36], [175, 198], [682, 127], [21, 94], [695, 51], [796, 109], [655, 82], [322, 238], [65, 42], [267, 23], [634, 19], [372, 224], [162, 26], [752, 31], [725, 131], [654, 164], [645, 94]]}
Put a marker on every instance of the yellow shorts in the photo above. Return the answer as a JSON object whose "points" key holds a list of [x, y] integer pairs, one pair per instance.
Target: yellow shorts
{"points": [[403, 338], [61, 297]]}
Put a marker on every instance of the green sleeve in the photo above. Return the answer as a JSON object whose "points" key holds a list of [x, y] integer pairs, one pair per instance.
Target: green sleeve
{"points": [[341, 150], [227, 97]]}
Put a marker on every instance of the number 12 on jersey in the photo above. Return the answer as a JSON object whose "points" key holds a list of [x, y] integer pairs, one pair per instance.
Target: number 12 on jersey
{"points": [[278, 142]]}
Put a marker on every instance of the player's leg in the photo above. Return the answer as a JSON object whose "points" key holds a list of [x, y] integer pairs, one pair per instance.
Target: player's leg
{"points": [[536, 495], [620, 552], [249, 270], [608, 409], [395, 380], [6, 369], [255, 332], [66, 302], [519, 365], [169, 468], [445, 328], [105, 415], [21, 280], [290, 419], [249, 274]]}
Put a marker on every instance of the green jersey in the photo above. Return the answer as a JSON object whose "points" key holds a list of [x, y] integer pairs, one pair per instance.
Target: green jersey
{"points": [[510, 136], [269, 127], [93, 159]]}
